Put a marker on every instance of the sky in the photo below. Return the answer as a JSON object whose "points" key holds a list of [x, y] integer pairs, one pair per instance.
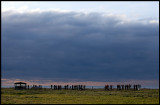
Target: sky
{"points": [[83, 42]]}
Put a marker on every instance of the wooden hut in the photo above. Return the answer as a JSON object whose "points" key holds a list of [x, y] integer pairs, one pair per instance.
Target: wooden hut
{"points": [[20, 85]]}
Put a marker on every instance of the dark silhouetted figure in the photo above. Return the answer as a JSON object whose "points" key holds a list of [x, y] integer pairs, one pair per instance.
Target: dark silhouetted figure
{"points": [[111, 87]]}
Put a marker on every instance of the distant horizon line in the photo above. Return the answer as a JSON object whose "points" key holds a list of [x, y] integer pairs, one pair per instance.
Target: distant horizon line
{"points": [[95, 87], [47, 82]]}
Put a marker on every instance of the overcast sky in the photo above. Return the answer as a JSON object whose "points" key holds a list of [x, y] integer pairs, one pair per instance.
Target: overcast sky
{"points": [[83, 41]]}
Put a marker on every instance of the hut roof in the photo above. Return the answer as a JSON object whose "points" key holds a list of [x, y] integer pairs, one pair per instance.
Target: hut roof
{"points": [[20, 83]]}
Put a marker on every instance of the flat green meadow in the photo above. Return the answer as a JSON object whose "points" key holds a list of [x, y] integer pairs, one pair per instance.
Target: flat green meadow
{"points": [[96, 96]]}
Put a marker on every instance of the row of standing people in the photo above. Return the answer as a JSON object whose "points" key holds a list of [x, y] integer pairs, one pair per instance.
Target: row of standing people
{"points": [[56, 87], [34, 87], [82, 87], [78, 87], [123, 87], [66, 87], [108, 87], [137, 86]]}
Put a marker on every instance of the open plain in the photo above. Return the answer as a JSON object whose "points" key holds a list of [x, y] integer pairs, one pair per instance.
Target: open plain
{"points": [[88, 96]]}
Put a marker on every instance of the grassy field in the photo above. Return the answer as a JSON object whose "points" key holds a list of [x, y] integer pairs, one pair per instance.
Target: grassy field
{"points": [[97, 96]]}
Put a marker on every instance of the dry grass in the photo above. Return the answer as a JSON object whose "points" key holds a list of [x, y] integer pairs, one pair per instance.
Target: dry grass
{"points": [[46, 96]]}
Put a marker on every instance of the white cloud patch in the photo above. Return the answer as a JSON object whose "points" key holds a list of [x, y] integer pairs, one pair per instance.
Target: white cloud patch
{"points": [[154, 21]]}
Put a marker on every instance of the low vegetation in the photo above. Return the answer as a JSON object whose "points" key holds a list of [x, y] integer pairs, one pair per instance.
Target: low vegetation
{"points": [[96, 96]]}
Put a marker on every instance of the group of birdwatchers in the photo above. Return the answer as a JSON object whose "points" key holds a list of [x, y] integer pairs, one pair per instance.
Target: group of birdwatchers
{"points": [[59, 87], [21, 85], [66, 87], [123, 87]]}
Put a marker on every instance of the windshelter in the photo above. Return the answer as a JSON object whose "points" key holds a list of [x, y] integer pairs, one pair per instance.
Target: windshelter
{"points": [[20, 85]]}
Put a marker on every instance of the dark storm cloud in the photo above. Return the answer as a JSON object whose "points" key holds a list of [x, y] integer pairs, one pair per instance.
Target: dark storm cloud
{"points": [[79, 46]]}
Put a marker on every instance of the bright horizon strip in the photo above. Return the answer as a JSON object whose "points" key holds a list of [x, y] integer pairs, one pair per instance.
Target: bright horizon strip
{"points": [[10, 82]]}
